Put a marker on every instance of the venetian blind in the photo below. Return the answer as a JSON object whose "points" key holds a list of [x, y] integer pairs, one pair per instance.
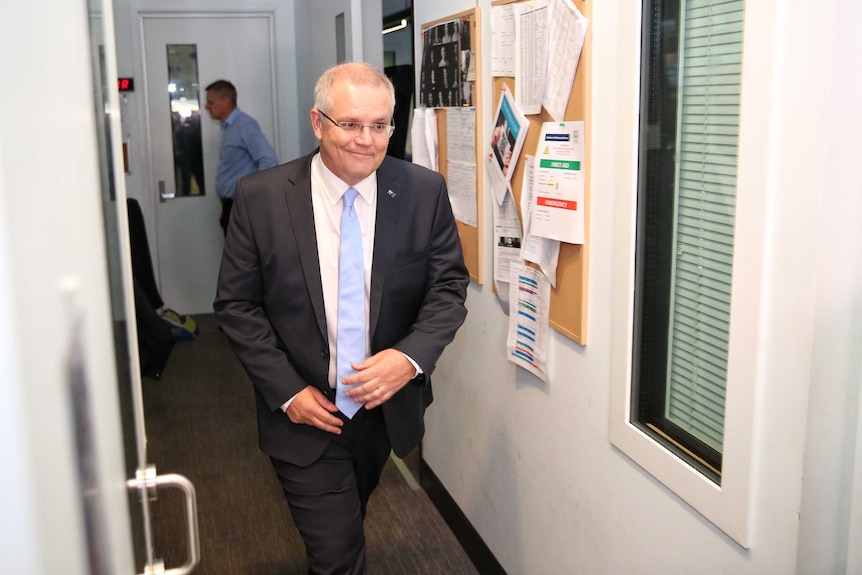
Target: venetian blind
{"points": [[710, 63]]}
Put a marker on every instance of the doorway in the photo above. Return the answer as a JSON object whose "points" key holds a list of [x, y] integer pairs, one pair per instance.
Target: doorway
{"points": [[238, 47]]}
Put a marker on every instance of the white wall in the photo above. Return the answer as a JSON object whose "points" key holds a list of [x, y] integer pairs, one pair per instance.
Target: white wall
{"points": [[530, 463], [371, 25], [830, 97]]}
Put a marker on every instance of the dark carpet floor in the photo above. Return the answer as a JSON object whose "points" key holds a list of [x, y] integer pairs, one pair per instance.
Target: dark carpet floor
{"points": [[201, 424]]}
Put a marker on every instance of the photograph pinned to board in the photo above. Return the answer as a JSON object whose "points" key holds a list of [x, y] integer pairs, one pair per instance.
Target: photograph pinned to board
{"points": [[507, 139], [445, 76], [467, 64]]}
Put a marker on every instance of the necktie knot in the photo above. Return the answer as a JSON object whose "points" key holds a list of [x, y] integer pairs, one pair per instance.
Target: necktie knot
{"points": [[349, 197]]}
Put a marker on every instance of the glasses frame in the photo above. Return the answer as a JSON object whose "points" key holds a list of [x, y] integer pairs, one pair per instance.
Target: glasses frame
{"points": [[389, 131]]}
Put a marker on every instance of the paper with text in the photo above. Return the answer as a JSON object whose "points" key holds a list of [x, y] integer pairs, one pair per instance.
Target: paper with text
{"points": [[529, 325], [507, 237], [503, 40], [541, 251], [566, 33], [531, 24], [423, 138], [558, 204]]}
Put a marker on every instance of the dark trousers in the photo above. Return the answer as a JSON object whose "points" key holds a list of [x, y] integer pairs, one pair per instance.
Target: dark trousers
{"points": [[226, 205], [328, 498]]}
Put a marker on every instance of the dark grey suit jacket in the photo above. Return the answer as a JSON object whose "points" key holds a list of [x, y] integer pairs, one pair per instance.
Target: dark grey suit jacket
{"points": [[269, 300]]}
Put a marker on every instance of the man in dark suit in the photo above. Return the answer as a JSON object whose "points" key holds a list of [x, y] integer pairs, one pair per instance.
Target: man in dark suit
{"points": [[278, 303]]}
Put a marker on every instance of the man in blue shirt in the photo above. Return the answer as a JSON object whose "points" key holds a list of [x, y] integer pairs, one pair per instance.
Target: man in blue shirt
{"points": [[244, 149]]}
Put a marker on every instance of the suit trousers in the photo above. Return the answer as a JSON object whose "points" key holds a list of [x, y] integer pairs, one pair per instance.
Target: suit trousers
{"points": [[328, 498]]}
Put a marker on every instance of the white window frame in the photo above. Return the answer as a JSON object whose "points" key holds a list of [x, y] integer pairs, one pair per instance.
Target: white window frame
{"points": [[728, 505]]}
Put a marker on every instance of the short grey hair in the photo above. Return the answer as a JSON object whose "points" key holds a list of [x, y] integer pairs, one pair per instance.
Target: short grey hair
{"points": [[358, 73]]}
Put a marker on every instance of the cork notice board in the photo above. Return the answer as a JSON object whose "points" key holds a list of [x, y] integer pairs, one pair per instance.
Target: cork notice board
{"points": [[471, 236], [568, 313]]}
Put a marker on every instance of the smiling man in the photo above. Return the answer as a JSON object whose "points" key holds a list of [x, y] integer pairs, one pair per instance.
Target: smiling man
{"points": [[341, 283]]}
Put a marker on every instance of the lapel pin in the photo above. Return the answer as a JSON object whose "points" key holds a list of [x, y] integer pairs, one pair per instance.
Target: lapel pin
{"points": [[391, 194]]}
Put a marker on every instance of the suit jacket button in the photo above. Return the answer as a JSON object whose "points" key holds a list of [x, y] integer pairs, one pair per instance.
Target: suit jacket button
{"points": [[324, 353]]}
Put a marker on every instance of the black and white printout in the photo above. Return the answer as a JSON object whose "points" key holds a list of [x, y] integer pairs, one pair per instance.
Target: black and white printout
{"points": [[531, 24]]}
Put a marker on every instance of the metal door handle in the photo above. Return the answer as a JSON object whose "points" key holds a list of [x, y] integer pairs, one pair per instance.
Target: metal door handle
{"points": [[148, 483], [163, 193]]}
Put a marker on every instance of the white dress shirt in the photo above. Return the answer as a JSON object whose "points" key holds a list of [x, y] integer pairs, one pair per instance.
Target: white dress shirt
{"points": [[326, 192]]}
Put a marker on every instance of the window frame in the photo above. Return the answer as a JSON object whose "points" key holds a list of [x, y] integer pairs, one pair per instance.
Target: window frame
{"points": [[669, 209], [727, 505]]}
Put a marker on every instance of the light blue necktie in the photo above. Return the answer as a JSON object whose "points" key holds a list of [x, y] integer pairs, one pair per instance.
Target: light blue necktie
{"points": [[350, 342]]}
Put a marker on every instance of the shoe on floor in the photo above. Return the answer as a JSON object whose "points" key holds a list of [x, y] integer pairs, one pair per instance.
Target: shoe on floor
{"points": [[182, 326]]}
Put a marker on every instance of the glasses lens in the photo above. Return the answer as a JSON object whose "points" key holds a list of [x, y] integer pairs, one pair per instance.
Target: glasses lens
{"points": [[354, 128]]}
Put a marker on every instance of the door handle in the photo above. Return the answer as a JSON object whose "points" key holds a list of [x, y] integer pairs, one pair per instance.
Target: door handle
{"points": [[148, 482], [163, 193]]}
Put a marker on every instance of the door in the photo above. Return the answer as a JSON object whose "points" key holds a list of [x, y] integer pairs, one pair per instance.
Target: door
{"points": [[188, 52], [142, 480]]}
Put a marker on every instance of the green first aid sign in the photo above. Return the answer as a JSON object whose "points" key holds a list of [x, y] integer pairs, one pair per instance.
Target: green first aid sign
{"points": [[560, 164]]}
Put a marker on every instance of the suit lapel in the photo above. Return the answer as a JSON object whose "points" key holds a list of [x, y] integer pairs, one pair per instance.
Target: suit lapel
{"points": [[297, 196], [388, 202]]}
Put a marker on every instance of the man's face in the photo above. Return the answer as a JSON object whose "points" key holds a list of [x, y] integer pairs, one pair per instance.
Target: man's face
{"points": [[219, 107], [353, 157]]}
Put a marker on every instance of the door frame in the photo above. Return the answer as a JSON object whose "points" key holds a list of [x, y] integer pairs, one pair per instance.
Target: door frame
{"points": [[148, 200]]}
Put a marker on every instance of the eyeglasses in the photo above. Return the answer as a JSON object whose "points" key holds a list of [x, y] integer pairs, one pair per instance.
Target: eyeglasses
{"points": [[354, 128]]}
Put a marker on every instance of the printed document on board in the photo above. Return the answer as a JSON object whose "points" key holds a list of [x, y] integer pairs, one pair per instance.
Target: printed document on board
{"points": [[567, 30], [558, 204], [529, 319]]}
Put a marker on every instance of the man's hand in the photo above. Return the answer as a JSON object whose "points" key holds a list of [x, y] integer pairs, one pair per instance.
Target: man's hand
{"points": [[310, 407], [380, 377]]}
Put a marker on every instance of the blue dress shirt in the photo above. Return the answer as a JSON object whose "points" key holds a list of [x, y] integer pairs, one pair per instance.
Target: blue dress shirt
{"points": [[244, 150]]}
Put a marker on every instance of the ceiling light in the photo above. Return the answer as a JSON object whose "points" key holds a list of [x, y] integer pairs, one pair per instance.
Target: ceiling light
{"points": [[399, 26]]}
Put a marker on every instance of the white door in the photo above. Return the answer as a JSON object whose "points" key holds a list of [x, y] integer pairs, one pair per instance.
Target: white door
{"points": [[140, 473], [64, 348], [234, 47]]}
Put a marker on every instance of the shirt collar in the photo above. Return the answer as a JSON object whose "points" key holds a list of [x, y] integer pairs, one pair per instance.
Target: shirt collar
{"points": [[231, 117], [334, 187]]}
